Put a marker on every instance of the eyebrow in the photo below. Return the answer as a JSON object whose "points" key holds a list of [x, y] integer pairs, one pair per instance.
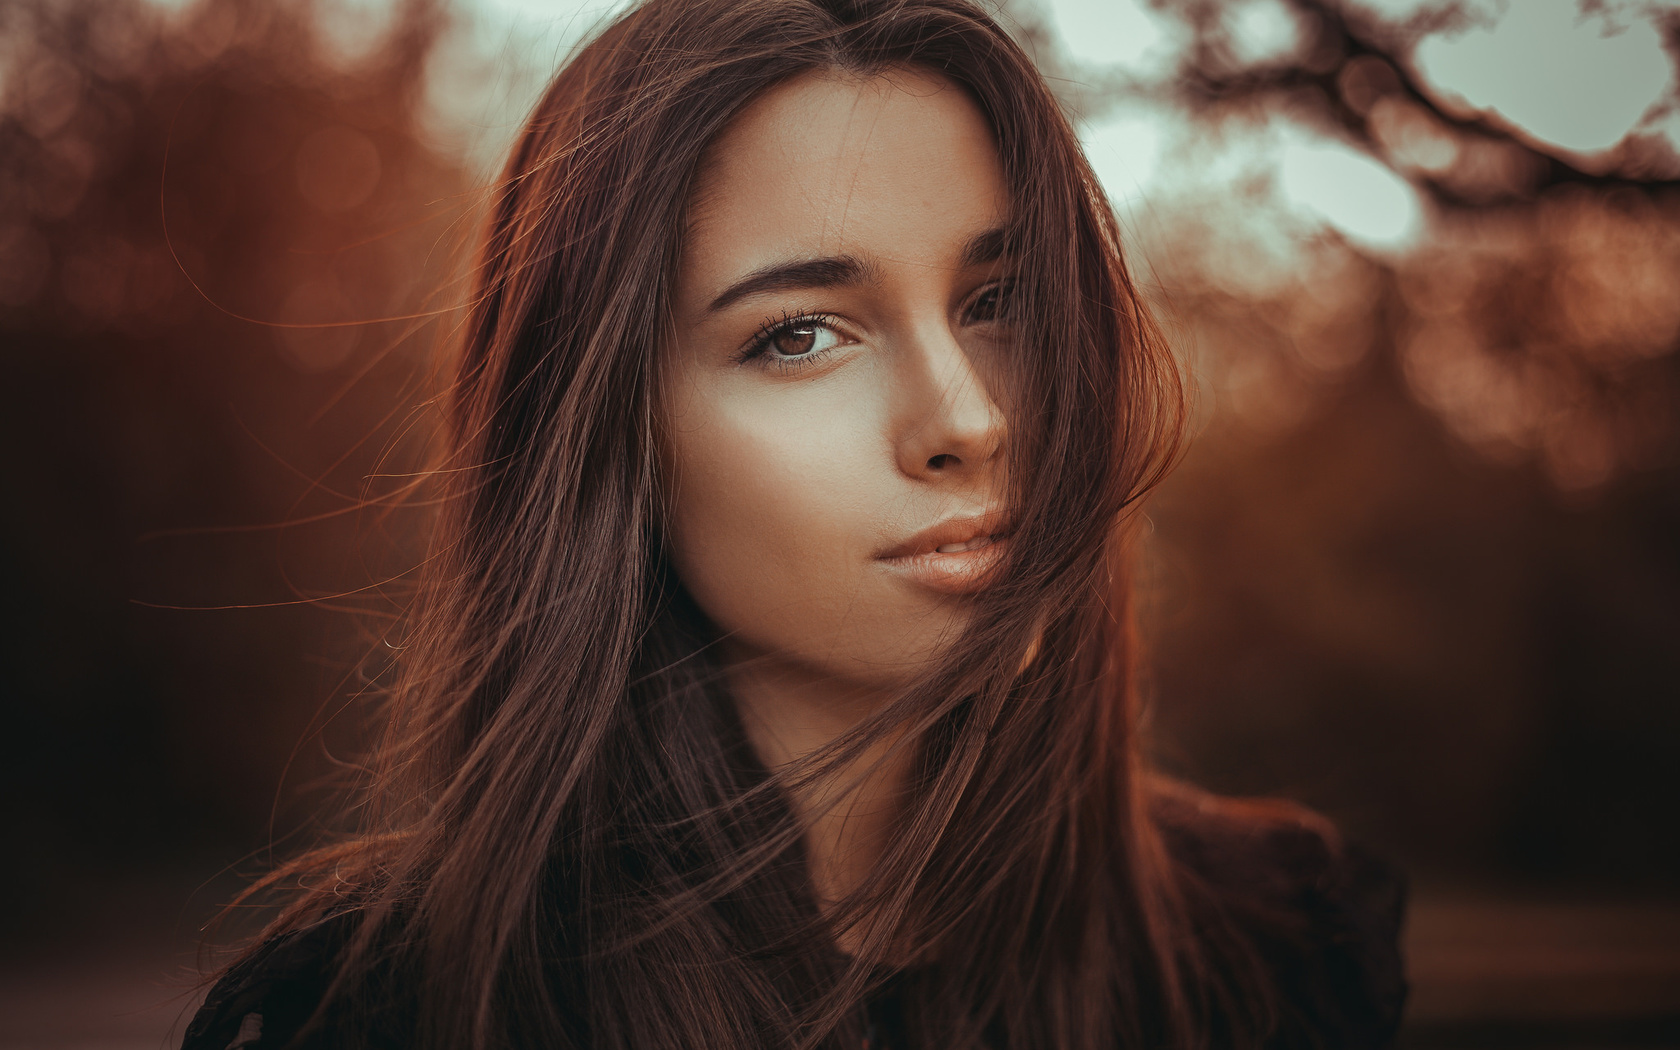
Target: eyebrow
{"points": [[987, 247], [839, 270], [805, 273]]}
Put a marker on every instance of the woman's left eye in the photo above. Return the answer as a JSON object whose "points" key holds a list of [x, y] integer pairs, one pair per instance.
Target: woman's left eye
{"points": [[991, 304]]}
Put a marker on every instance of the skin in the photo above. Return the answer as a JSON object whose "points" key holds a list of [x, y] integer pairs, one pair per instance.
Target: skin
{"points": [[794, 470]]}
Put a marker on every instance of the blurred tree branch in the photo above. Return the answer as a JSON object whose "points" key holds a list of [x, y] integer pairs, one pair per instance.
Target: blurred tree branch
{"points": [[1353, 70]]}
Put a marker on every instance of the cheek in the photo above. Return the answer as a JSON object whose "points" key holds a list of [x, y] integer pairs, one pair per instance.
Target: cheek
{"points": [[777, 513]]}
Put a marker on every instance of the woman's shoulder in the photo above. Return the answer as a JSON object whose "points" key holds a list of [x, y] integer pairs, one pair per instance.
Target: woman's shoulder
{"points": [[269, 998], [1322, 916]]}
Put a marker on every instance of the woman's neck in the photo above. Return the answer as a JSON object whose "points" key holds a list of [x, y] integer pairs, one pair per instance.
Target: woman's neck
{"points": [[789, 713]]}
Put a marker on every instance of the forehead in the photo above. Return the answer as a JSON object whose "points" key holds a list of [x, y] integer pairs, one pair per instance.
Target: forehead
{"points": [[899, 166]]}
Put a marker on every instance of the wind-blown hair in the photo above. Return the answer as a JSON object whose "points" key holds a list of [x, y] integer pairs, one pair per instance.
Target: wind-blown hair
{"points": [[568, 842]]}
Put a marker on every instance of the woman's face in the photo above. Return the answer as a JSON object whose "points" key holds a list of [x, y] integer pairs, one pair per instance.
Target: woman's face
{"points": [[834, 423]]}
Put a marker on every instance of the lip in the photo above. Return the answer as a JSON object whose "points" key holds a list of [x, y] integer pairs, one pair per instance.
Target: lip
{"points": [[919, 559]]}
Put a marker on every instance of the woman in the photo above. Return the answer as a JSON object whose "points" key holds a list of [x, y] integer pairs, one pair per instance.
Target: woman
{"points": [[773, 686]]}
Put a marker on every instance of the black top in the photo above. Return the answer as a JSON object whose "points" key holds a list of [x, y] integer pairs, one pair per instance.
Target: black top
{"points": [[1324, 920]]}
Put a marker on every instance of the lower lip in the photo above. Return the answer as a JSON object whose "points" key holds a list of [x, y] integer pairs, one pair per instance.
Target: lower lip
{"points": [[960, 572]]}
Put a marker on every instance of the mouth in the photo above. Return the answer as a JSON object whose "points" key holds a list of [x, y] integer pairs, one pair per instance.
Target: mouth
{"points": [[956, 556], [967, 545]]}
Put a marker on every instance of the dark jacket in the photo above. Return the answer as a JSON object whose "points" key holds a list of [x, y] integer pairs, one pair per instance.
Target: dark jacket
{"points": [[1323, 920]]}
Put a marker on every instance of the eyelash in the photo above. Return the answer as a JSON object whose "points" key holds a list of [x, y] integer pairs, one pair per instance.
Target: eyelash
{"points": [[758, 346]]}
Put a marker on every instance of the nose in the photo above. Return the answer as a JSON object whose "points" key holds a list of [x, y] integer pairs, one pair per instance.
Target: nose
{"points": [[947, 424]]}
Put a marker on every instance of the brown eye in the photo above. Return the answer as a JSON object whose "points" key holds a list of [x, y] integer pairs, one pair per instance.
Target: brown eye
{"points": [[990, 305], [794, 341]]}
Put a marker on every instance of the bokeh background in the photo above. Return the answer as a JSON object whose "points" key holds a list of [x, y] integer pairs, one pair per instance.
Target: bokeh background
{"points": [[1420, 568]]}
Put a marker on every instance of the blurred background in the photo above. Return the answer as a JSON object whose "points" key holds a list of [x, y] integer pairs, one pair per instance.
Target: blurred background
{"points": [[1420, 568]]}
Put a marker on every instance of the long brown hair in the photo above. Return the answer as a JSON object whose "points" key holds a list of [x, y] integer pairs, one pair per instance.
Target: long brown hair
{"points": [[567, 840]]}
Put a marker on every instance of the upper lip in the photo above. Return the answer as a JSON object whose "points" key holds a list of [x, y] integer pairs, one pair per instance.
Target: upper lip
{"points": [[959, 529]]}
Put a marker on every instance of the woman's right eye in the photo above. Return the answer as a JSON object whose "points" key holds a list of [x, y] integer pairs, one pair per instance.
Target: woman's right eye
{"points": [[795, 340], [798, 340]]}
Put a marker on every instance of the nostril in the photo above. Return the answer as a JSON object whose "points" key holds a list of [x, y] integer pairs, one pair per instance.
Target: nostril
{"points": [[941, 461]]}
